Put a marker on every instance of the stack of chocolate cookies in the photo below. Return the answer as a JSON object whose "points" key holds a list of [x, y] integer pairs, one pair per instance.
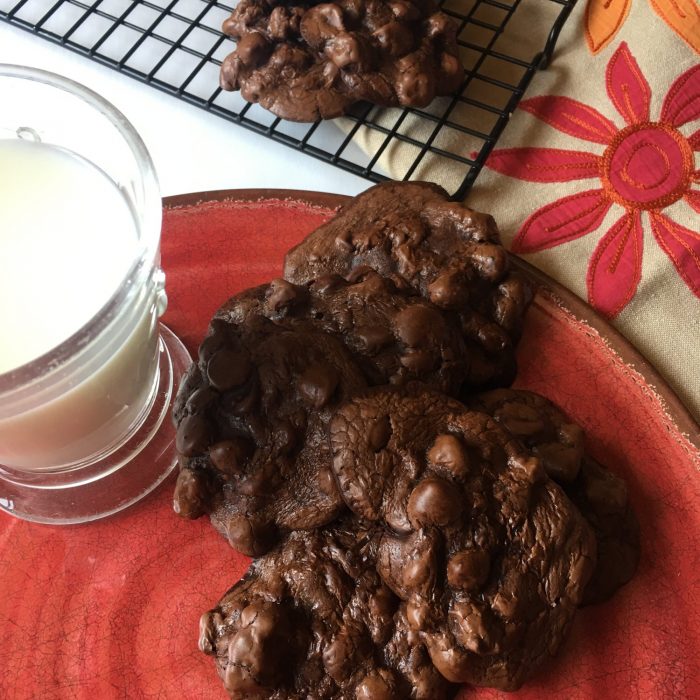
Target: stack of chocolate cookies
{"points": [[415, 524]]}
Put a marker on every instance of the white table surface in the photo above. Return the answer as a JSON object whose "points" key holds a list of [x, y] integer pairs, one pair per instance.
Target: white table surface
{"points": [[192, 150]]}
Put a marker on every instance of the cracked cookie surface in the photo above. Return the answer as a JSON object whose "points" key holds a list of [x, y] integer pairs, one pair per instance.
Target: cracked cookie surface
{"points": [[251, 420], [600, 495], [488, 553], [452, 256], [318, 603], [394, 335]]}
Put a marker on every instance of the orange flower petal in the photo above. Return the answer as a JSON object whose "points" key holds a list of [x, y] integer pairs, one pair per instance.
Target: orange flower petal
{"points": [[603, 20], [683, 16]]}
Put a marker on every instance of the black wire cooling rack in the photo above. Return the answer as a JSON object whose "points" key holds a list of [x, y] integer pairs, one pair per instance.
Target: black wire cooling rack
{"points": [[177, 46]]}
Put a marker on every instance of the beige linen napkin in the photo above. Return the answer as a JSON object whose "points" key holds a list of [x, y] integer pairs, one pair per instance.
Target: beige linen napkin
{"points": [[596, 178]]}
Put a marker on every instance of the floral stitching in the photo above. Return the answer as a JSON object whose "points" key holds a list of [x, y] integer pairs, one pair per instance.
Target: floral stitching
{"points": [[646, 166]]}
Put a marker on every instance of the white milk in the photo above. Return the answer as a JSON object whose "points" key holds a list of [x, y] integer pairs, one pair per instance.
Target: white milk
{"points": [[67, 241]]}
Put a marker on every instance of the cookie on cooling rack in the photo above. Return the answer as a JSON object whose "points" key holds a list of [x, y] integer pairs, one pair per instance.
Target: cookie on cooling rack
{"points": [[307, 60]]}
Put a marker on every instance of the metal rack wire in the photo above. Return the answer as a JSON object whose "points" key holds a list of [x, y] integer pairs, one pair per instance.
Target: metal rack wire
{"points": [[177, 47]]}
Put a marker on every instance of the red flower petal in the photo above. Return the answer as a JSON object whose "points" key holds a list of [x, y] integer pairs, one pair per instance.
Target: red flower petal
{"points": [[693, 198], [681, 245], [562, 221], [694, 140], [616, 266], [545, 164], [571, 117], [682, 101], [627, 87]]}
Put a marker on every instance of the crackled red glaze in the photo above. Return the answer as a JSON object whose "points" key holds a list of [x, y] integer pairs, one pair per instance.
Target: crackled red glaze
{"points": [[110, 610]]}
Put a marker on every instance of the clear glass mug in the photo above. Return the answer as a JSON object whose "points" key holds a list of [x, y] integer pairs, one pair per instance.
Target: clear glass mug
{"points": [[84, 428]]}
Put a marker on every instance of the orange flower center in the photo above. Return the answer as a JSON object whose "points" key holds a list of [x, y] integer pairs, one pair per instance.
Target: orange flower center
{"points": [[647, 166]]}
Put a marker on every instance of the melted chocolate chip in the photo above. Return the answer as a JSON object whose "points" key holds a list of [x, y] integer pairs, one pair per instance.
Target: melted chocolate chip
{"points": [[317, 384], [433, 502], [192, 435], [228, 369]]}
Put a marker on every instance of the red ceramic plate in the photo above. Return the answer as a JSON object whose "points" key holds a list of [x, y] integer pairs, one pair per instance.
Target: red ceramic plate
{"points": [[111, 609]]}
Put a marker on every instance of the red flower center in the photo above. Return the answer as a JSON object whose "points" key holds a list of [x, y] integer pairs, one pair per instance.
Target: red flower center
{"points": [[647, 166]]}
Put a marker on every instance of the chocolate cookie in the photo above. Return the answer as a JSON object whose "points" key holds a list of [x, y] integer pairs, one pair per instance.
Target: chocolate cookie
{"points": [[538, 424], [600, 495], [411, 233], [310, 60], [251, 421], [489, 554], [394, 335], [313, 619], [603, 500]]}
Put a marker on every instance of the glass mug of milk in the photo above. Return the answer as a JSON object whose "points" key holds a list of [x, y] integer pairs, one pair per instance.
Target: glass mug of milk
{"points": [[87, 373]]}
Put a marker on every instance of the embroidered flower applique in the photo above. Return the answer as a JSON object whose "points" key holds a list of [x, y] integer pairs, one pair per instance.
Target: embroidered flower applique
{"points": [[645, 167], [604, 18]]}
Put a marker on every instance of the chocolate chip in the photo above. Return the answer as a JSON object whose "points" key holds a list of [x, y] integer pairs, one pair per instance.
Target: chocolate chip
{"points": [[211, 344], [192, 435], [449, 454], [561, 462], [284, 22], [326, 483], [200, 399], [520, 419], [282, 295], [253, 49], [317, 384], [416, 324], [433, 502], [192, 494], [209, 628], [338, 656], [285, 437], [468, 569], [249, 536], [532, 469], [448, 291], [404, 11], [229, 456], [372, 339], [414, 87], [345, 50], [320, 23], [417, 612], [228, 369], [394, 38]]}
